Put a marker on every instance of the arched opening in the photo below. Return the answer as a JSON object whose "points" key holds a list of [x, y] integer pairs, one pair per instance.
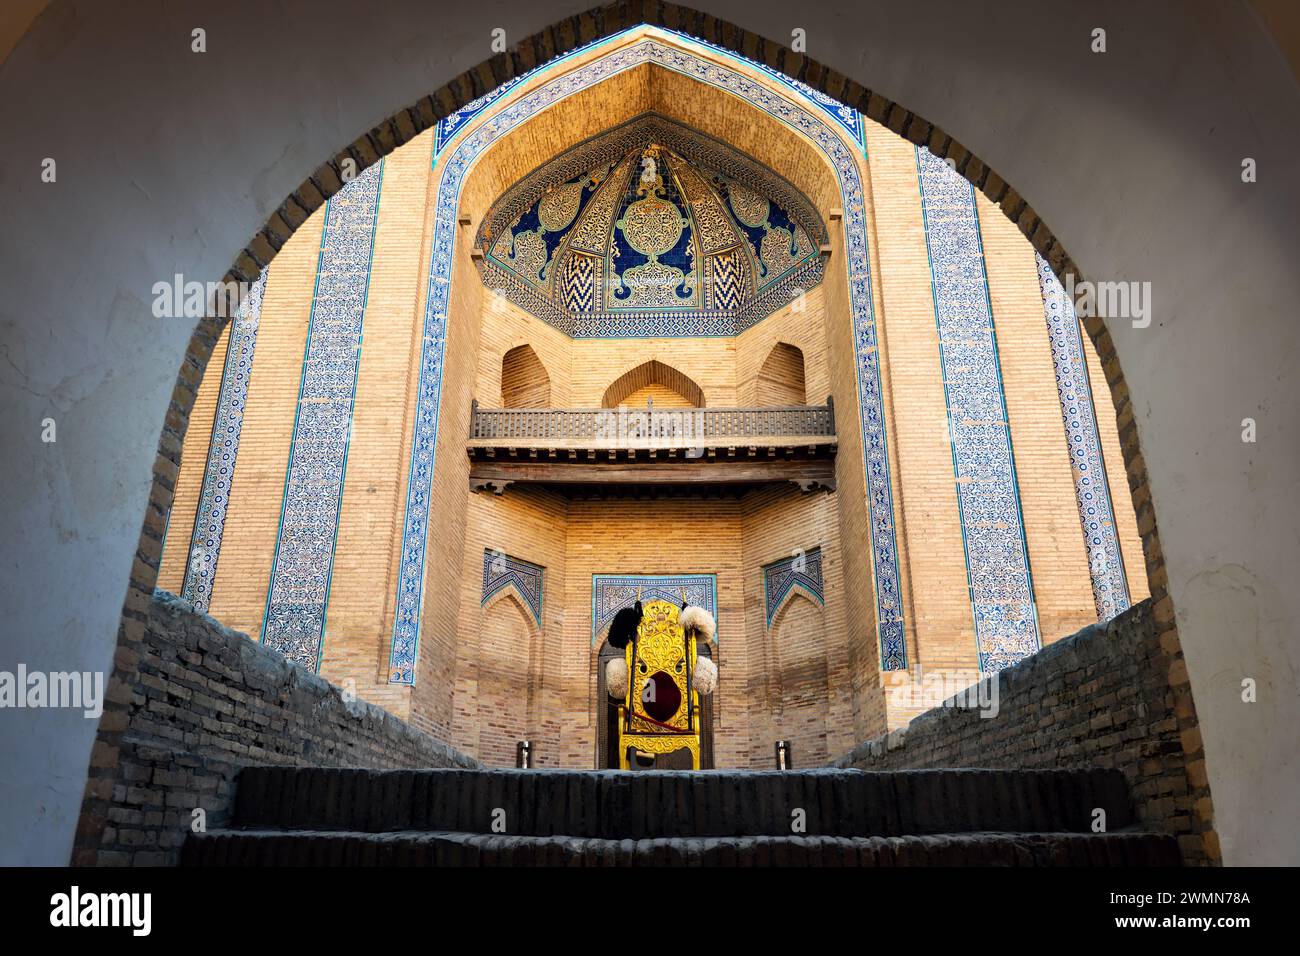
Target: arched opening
{"points": [[973, 169], [781, 379], [653, 380], [504, 680], [798, 636], [524, 382]]}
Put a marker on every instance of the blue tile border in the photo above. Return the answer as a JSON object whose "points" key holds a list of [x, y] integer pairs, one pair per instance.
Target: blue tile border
{"points": [[610, 592], [296, 598], [1091, 490], [798, 572], [223, 450], [988, 493], [501, 571], [460, 153]]}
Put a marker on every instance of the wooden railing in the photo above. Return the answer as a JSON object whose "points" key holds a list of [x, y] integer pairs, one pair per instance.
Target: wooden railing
{"points": [[651, 427]]}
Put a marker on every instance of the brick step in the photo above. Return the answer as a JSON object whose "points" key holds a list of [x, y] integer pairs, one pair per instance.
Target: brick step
{"points": [[617, 805], [425, 848]]}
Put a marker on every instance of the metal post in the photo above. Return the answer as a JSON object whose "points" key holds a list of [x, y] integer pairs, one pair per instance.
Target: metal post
{"points": [[783, 761], [524, 754]]}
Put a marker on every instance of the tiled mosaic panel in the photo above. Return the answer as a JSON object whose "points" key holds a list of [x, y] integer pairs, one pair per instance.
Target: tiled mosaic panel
{"points": [[997, 556], [458, 158], [647, 231], [612, 592], [802, 571], [219, 472], [845, 116], [304, 552], [536, 269], [500, 571], [1091, 490]]}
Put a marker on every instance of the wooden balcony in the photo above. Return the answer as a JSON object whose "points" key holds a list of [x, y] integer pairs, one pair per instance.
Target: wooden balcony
{"points": [[685, 448]]}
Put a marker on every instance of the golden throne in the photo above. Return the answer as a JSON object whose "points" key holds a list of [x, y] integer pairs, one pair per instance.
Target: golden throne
{"points": [[660, 712]]}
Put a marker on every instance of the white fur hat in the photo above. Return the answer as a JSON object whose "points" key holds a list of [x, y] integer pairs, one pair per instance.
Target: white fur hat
{"points": [[700, 620], [616, 677], [705, 678]]}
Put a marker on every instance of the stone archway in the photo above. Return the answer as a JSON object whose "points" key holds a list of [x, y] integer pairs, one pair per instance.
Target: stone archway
{"points": [[1013, 207], [145, 569]]}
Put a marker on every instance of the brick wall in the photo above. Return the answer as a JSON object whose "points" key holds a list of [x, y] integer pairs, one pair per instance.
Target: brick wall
{"points": [[1112, 695], [206, 701]]}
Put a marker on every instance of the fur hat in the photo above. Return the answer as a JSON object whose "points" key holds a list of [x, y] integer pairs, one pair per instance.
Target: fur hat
{"points": [[623, 628], [697, 619], [705, 678], [616, 677]]}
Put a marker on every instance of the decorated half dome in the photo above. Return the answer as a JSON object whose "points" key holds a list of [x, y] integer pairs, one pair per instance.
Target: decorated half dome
{"points": [[652, 230]]}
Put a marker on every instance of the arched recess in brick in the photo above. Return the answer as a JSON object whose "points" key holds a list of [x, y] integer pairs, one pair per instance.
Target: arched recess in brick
{"points": [[799, 640], [524, 382], [668, 387], [781, 379], [505, 689], [554, 41]]}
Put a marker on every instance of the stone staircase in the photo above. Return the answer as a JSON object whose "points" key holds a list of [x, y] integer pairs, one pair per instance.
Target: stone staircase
{"points": [[332, 817]]}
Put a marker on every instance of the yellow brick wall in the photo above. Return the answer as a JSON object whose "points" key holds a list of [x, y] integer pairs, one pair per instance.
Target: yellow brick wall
{"points": [[660, 395], [359, 621], [939, 615], [531, 524], [506, 326], [1058, 556], [431, 707], [801, 323], [1130, 542], [709, 363], [256, 493], [651, 537], [857, 582], [798, 671]]}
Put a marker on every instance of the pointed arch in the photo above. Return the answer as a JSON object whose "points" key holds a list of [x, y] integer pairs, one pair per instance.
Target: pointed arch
{"points": [[803, 676], [798, 588], [645, 378], [505, 686], [524, 380], [781, 379]]}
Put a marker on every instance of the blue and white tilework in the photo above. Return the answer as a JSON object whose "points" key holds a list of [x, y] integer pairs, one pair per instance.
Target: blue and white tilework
{"points": [[219, 472], [988, 495], [784, 103], [1091, 490], [845, 116], [801, 572], [500, 571], [294, 623], [611, 592]]}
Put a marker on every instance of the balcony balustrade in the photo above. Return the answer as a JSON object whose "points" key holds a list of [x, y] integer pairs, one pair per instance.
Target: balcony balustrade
{"points": [[652, 428], [670, 450]]}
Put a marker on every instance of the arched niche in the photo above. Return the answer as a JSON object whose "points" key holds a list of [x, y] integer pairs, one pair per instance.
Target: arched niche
{"points": [[665, 384], [524, 382], [781, 379], [505, 678]]}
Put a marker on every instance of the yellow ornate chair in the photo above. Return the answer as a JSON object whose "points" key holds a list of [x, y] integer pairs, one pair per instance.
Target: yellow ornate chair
{"points": [[660, 713]]}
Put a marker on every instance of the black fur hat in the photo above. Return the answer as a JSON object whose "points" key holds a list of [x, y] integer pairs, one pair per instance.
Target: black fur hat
{"points": [[623, 628]]}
